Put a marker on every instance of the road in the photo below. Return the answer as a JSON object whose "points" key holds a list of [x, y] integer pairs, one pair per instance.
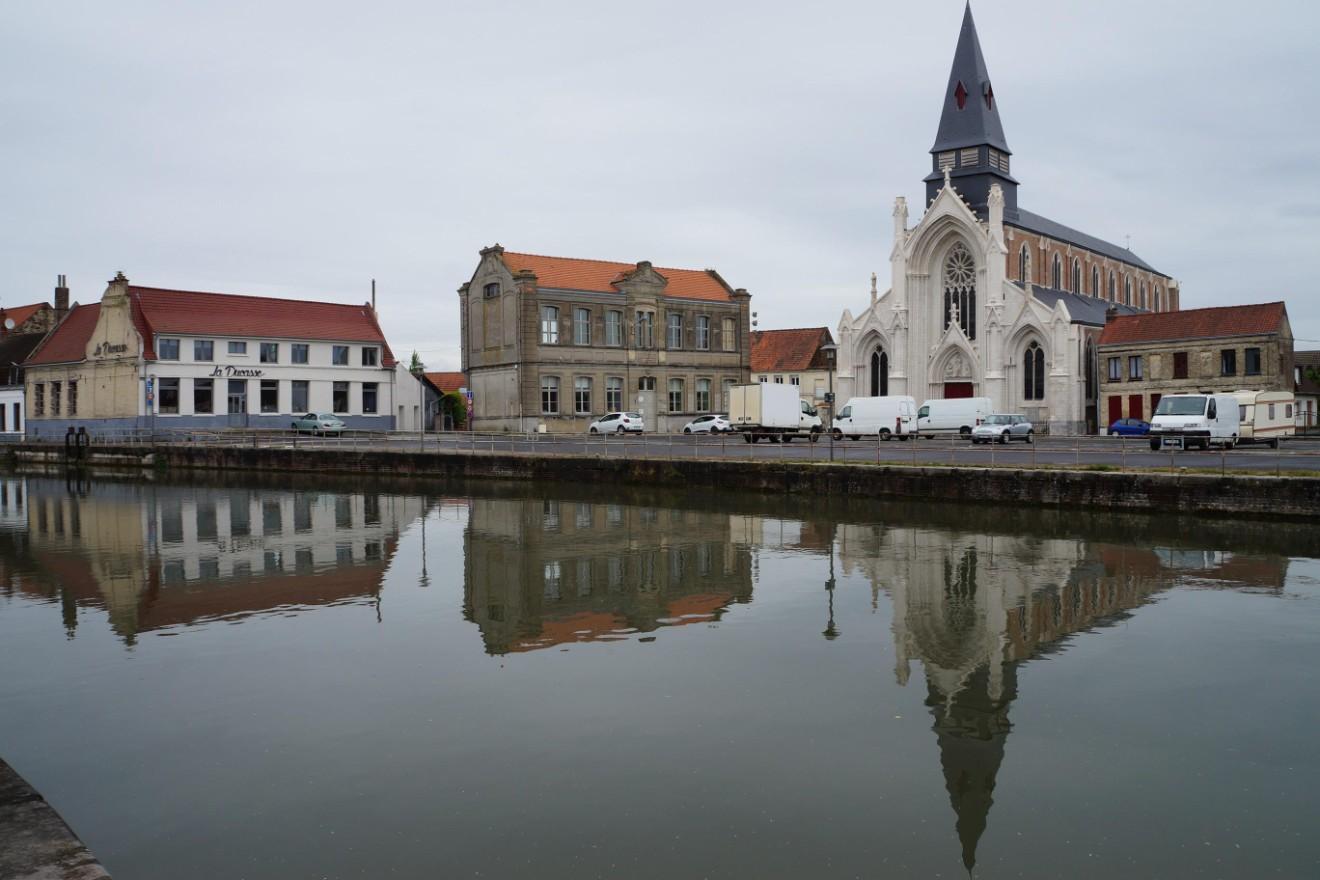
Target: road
{"points": [[1294, 456]]}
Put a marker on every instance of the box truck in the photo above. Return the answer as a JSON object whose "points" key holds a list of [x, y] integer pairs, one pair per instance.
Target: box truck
{"points": [[773, 411]]}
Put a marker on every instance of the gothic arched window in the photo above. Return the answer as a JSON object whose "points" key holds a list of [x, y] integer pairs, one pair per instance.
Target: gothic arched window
{"points": [[1056, 273], [1143, 294], [1033, 372], [1127, 291], [1077, 276], [1095, 282], [1157, 298], [1024, 258], [879, 374], [960, 289], [1113, 287]]}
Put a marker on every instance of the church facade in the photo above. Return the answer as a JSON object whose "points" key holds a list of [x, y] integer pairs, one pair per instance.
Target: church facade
{"points": [[988, 299]]}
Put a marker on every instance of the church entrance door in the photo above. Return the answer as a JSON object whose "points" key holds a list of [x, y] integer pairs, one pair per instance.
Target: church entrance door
{"points": [[958, 390]]}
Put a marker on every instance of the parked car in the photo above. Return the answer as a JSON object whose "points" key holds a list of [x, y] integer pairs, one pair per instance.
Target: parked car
{"points": [[1002, 427], [708, 425], [319, 423], [1129, 428], [618, 423]]}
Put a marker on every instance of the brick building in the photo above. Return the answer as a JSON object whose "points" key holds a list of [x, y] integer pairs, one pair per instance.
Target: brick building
{"points": [[556, 341], [793, 357], [1232, 348]]}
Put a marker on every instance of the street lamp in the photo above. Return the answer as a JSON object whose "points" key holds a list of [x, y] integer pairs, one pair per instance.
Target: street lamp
{"points": [[830, 350]]}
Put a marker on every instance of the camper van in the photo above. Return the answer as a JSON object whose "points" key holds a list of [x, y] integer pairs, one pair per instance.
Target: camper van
{"points": [[1266, 416], [956, 416], [883, 417], [1188, 421]]}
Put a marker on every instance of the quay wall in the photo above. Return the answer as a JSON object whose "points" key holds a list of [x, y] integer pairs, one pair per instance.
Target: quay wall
{"points": [[1133, 491], [35, 843]]}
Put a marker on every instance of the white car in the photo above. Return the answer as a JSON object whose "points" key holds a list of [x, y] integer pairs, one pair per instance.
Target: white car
{"points": [[708, 425], [618, 423], [1000, 428]]}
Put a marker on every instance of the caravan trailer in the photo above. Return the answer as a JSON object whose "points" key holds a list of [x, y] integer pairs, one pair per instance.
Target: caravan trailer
{"points": [[1266, 416]]}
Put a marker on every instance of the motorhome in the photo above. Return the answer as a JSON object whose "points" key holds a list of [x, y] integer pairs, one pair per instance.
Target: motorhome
{"points": [[1266, 416], [1188, 421], [883, 417], [952, 416]]}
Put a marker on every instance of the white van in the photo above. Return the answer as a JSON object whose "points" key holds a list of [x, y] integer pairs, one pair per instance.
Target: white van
{"points": [[1266, 416], [1186, 421], [884, 417], [957, 416]]}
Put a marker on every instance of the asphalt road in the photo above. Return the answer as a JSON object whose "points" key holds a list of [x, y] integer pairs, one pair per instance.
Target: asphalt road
{"points": [[1293, 456]]}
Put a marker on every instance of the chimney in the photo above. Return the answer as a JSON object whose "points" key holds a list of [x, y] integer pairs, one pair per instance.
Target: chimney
{"points": [[1111, 313], [61, 296]]}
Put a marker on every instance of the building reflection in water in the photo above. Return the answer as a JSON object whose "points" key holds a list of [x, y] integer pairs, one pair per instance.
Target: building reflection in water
{"points": [[541, 573], [160, 556]]}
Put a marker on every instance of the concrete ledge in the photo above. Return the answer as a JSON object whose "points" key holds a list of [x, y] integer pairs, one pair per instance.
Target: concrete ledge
{"points": [[35, 843], [1136, 492]]}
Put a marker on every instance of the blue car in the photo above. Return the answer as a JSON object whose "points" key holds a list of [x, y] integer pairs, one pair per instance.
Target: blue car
{"points": [[1129, 428]]}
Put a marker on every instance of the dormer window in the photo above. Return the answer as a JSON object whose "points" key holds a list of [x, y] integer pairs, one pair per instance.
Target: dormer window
{"points": [[960, 95]]}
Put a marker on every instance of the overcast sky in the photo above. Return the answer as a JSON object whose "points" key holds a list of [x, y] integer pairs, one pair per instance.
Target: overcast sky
{"points": [[301, 149]]}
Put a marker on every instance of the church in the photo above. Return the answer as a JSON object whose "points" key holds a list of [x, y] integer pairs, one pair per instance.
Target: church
{"points": [[988, 299]]}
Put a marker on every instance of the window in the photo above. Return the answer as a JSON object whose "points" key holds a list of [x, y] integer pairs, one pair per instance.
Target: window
{"points": [[39, 399], [1159, 304], [270, 395], [1076, 276], [298, 400], [1134, 368], [298, 355], [728, 335], [492, 290], [646, 383], [674, 338], [237, 347], [203, 350], [550, 395], [945, 160], [613, 394], [1251, 363], [1033, 372], [582, 395], [1024, 259], [703, 333], [1180, 365], [779, 380], [203, 396], [167, 392], [582, 326], [167, 349], [1056, 273], [675, 395], [763, 379], [1143, 294], [1095, 283], [339, 399], [370, 396], [73, 397], [703, 395], [1115, 369], [339, 355], [270, 352], [1228, 362], [1113, 287], [645, 330], [370, 356], [549, 325], [795, 380], [614, 328], [960, 290], [1127, 291]]}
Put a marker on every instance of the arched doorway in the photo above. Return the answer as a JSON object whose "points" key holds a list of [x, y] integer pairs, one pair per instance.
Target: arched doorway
{"points": [[879, 374]]}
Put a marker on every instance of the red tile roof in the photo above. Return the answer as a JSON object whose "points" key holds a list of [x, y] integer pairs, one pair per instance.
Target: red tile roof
{"points": [[156, 311], [447, 382], [19, 314], [789, 350], [1253, 320], [600, 276]]}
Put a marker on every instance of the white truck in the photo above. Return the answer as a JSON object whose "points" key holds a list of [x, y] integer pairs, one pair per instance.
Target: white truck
{"points": [[1186, 421], [772, 411], [1266, 416]]}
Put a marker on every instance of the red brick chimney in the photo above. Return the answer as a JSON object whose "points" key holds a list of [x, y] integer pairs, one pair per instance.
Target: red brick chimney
{"points": [[61, 296]]}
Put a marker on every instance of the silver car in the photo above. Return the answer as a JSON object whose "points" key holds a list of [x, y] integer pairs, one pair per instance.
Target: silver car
{"points": [[1001, 427], [714, 424]]}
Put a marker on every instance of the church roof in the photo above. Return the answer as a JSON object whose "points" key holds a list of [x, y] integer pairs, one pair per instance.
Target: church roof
{"points": [[1084, 309], [971, 111], [1047, 227]]}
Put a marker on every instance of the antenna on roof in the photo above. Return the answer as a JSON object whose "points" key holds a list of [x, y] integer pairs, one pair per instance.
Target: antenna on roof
{"points": [[373, 295]]}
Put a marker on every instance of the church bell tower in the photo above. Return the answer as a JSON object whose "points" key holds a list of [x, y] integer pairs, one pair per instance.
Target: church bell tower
{"points": [[970, 144]]}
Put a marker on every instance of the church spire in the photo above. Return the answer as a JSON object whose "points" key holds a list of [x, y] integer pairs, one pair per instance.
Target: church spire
{"points": [[970, 144]]}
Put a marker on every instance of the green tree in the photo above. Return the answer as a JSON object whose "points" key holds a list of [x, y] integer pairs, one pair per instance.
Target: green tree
{"points": [[416, 367]]}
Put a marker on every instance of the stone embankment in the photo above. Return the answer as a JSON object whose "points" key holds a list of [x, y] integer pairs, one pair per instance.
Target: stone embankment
{"points": [[35, 843], [1131, 491]]}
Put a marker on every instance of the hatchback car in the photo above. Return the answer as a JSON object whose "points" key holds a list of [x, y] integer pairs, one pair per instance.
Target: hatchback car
{"points": [[618, 423], [1002, 427], [319, 423], [1129, 428], [714, 424]]}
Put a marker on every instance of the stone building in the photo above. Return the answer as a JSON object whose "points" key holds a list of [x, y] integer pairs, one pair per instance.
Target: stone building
{"points": [[794, 357], [1232, 348], [989, 299], [556, 342]]}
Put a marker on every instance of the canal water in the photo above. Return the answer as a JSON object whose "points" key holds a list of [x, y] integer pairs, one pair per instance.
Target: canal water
{"points": [[280, 680]]}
